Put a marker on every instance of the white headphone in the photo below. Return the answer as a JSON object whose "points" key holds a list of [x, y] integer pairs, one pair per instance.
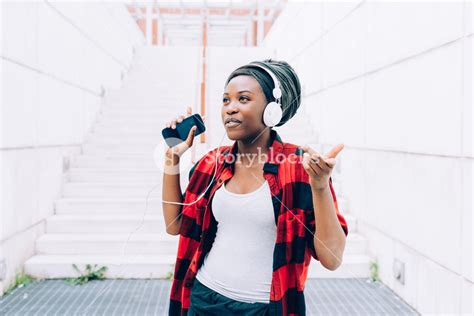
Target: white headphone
{"points": [[273, 112]]}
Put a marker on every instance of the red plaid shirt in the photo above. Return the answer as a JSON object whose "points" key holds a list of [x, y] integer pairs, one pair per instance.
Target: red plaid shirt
{"points": [[293, 210]]}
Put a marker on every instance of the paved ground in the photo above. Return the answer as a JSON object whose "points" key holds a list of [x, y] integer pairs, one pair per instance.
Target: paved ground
{"points": [[150, 297]]}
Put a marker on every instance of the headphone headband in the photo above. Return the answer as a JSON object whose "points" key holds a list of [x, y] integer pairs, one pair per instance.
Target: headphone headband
{"points": [[277, 90]]}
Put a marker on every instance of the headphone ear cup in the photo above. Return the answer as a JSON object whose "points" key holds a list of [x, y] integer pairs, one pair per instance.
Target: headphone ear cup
{"points": [[272, 114]]}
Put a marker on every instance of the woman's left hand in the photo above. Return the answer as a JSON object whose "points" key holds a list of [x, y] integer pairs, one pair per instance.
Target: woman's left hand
{"points": [[319, 167]]}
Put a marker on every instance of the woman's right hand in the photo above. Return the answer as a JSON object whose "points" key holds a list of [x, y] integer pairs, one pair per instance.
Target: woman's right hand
{"points": [[173, 154]]}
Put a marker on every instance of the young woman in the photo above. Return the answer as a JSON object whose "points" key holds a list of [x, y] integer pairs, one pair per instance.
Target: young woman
{"points": [[247, 219]]}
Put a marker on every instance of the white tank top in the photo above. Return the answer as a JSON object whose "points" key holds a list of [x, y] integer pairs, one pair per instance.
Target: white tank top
{"points": [[240, 262]]}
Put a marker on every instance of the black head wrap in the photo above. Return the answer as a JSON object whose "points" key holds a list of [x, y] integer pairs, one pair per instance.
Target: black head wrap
{"points": [[289, 84]]}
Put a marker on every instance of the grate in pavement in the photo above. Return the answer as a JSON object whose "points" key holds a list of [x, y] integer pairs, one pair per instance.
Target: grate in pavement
{"points": [[150, 297]]}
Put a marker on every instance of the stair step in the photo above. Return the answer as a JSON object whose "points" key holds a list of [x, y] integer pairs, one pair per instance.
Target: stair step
{"points": [[136, 120], [127, 100], [114, 112], [113, 162], [105, 223], [123, 149], [75, 244], [158, 266], [355, 244], [111, 175], [124, 140], [111, 189], [128, 266], [108, 206], [118, 133], [353, 266], [138, 99], [124, 129], [120, 149], [132, 162]]}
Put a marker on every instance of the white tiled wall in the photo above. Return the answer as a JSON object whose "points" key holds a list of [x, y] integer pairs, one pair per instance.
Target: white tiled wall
{"points": [[415, 106], [393, 82], [396, 30]]}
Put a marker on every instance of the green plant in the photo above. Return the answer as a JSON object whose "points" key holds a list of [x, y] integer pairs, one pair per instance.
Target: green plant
{"points": [[169, 275], [374, 271], [21, 280], [90, 274]]}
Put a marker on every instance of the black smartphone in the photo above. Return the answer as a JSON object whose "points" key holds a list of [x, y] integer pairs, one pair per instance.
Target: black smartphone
{"points": [[180, 133]]}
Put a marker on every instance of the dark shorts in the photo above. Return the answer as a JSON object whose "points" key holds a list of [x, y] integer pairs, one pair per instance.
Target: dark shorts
{"points": [[204, 301]]}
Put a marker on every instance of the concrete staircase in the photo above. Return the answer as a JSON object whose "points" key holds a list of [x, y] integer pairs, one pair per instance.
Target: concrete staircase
{"points": [[103, 202]]}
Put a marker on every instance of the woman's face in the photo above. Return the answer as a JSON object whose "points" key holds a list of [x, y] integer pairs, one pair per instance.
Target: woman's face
{"points": [[243, 100]]}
